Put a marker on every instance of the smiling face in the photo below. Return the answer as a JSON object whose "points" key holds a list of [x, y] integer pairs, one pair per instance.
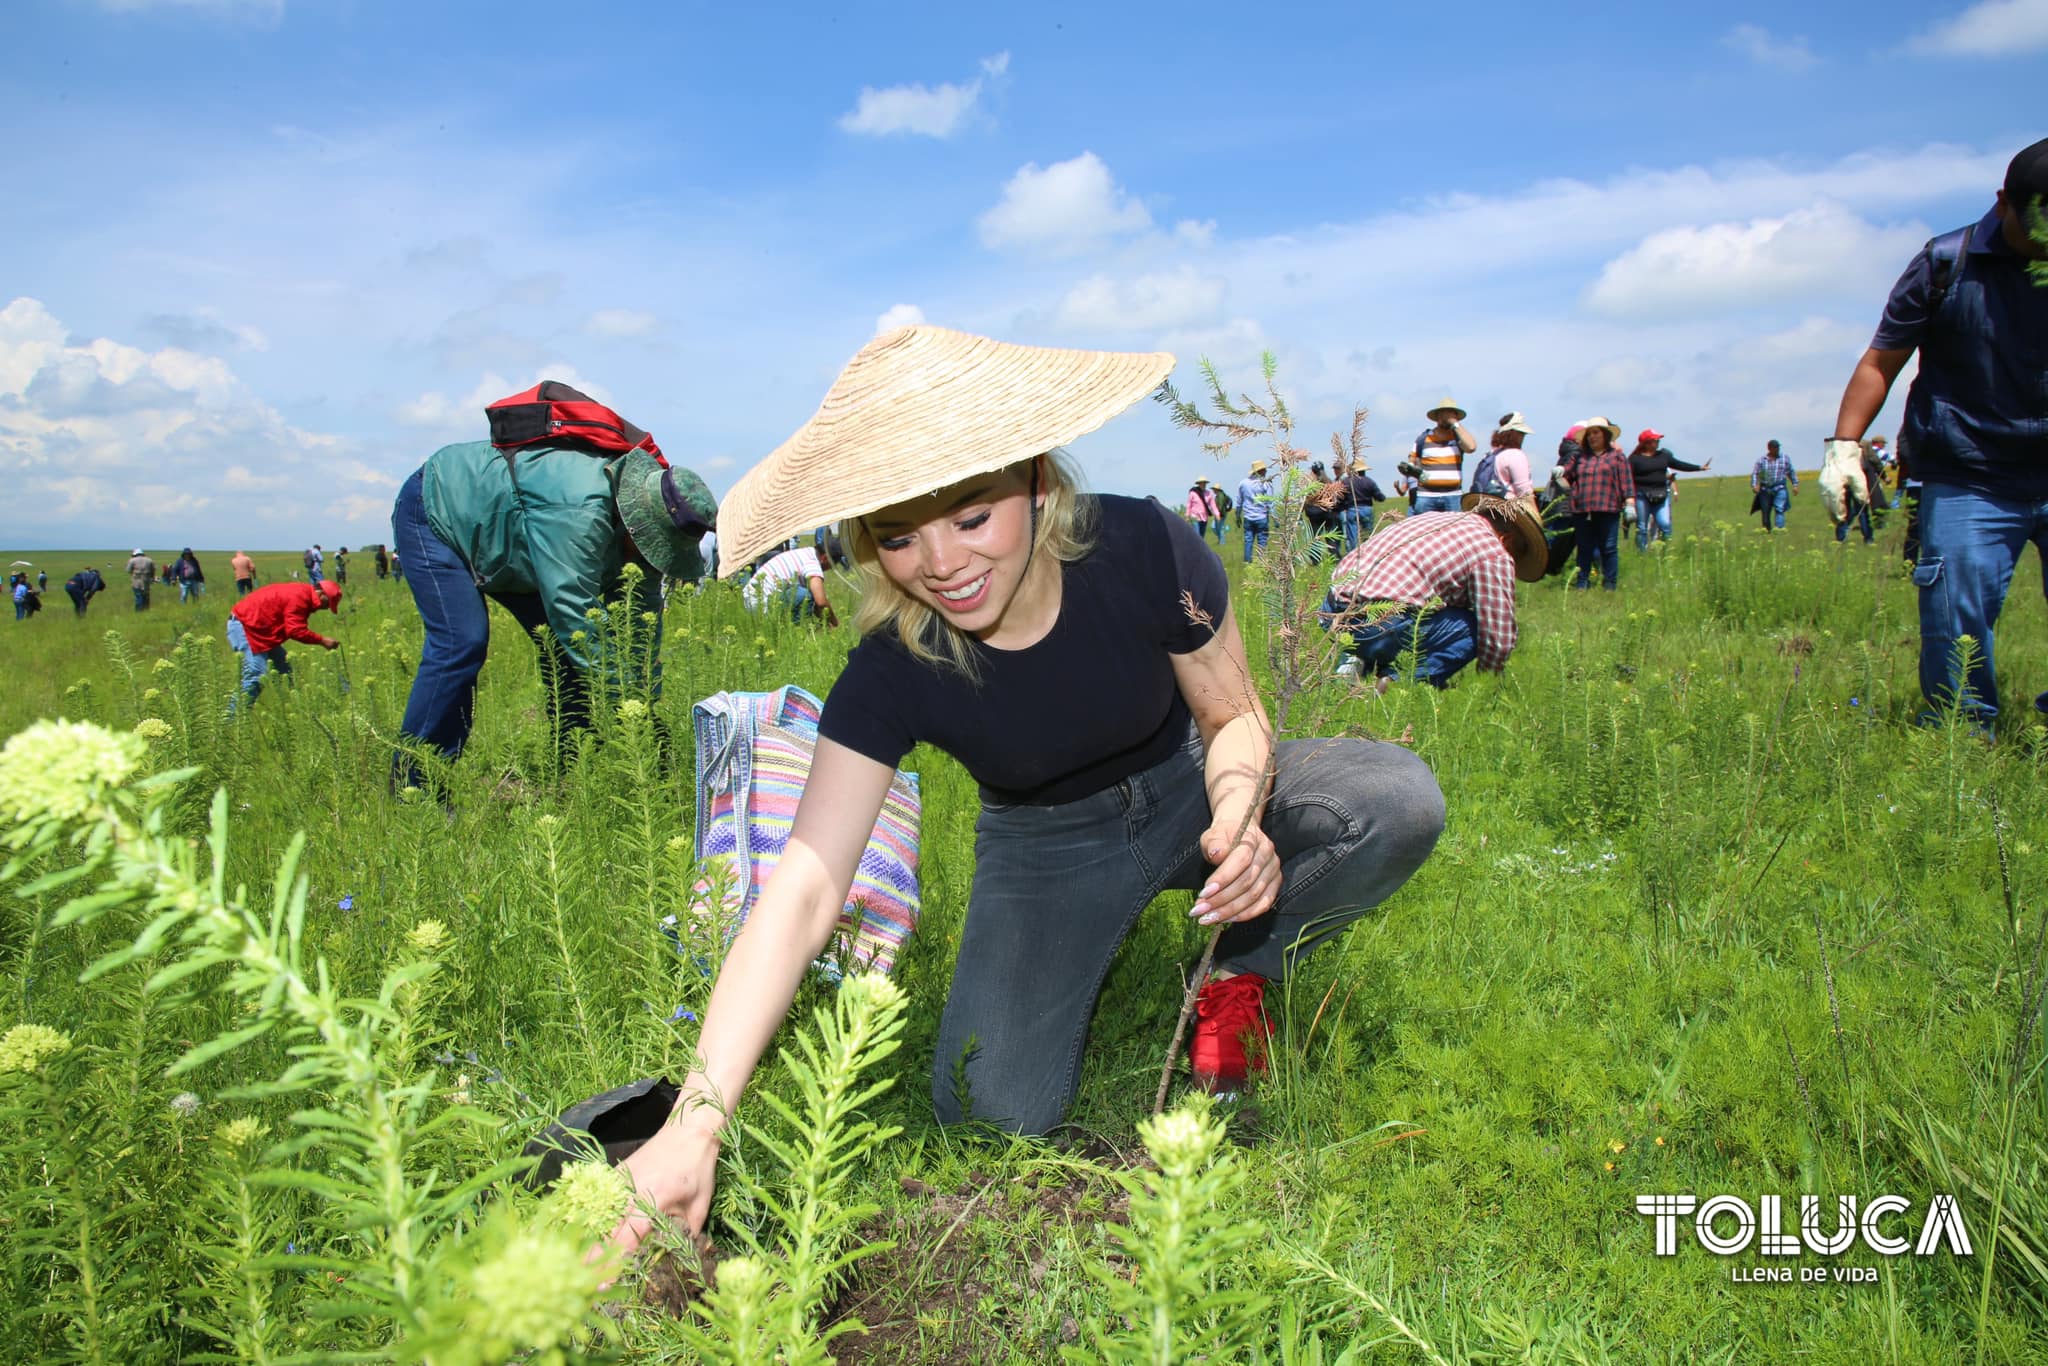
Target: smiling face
{"points": [[1597, 439], [963, 550]]}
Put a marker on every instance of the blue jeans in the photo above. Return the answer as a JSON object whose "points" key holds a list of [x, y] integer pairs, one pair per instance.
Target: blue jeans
{"points": [[1357, 525], [1862, 524], [442, 706], [189, 589], [255, 665], [1777, 498], [1350, 819], [1446, 640], [141, 598], [1652, 514], [1970, 543], [1252, 531], [1438, 502], [1599, 544]]}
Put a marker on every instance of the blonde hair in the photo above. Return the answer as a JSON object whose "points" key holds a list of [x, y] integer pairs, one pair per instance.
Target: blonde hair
{"points": [[1065, 532]]}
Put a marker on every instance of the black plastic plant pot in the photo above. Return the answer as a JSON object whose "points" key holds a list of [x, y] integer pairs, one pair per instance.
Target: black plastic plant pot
{"points": [[619, 1121]]}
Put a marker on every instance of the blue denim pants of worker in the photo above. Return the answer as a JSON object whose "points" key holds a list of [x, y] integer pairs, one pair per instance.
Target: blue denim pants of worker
{"points": [[1253, 531], [1776, 499], [1970, 542], [1862, 520], [256, 665], [1599, 546], [1652, 515], [1357, 525], [796, 598], [1350, 819], [442, 707], [141, 599], [1438, 502], [1446, 640]]}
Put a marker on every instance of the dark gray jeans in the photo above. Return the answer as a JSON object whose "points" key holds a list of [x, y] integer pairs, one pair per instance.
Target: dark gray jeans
{"points": [[1056, 889]]}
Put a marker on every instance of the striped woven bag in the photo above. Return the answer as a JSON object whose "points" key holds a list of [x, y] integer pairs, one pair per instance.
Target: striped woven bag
{"points": [[754, 754]]}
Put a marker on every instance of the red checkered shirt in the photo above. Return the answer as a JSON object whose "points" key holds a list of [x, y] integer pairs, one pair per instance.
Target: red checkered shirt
{"points": [[1600, 483], [1455, 558]]}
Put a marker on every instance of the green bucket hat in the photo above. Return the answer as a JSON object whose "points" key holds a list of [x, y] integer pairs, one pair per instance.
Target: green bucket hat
{"points": [[666, 512]]}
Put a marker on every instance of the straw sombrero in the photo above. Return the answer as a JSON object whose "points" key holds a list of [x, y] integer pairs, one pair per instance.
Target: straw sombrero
{"points": [[1525, 540], [920, 408]]}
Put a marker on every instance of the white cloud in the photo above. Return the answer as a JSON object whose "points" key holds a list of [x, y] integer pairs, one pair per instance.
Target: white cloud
{"points": [[1193, 233], [1765, 48], [1990, 28], [1724, 267], [620, 322], [443, 415], [899, 315], [1066, 207], [1174, 298], [915, 108], [126, 443]]}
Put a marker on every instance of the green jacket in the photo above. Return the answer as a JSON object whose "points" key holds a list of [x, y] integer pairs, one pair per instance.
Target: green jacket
{"points": [[551, 530]]}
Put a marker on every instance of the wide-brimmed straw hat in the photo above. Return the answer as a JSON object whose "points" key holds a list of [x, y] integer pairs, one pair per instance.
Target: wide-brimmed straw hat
{"points": [[1445, 403], [1525, 531], [666, 510], [1613, 428], [916, 410]]}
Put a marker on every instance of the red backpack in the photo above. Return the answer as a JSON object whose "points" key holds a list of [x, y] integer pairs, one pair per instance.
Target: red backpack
{"points": [[553, 414]]}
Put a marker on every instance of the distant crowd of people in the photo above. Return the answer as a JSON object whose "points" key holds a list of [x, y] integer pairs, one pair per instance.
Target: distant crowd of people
{"points": [[184, 573]]}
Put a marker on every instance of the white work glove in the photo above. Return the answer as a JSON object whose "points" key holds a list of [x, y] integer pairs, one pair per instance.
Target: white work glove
{"points": [[1841, 474]]}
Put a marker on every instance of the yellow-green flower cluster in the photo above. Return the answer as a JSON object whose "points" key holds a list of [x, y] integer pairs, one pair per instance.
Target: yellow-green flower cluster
{"points": [[531, 1296], [632, 709], [240, 1133], [26, 1047], [589, 1198], [62, 769], [153, 728], [427, 938], [1182, 1141]]}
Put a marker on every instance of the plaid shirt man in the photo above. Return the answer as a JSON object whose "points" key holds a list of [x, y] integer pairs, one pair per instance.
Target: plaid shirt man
{"points": [[1600, 483], [1455, 558], [1772, 470]]}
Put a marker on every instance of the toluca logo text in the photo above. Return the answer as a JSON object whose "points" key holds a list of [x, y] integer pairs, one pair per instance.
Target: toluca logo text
{"points": [[1728, 1224]]}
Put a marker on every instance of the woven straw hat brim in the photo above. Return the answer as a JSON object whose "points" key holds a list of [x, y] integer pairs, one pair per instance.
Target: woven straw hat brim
{"points": [[917, 410], [1441, 405], [1531, 552]]}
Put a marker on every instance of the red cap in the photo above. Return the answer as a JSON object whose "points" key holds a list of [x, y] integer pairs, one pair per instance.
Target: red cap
{"points": [[333, 592], [1648, 434]]}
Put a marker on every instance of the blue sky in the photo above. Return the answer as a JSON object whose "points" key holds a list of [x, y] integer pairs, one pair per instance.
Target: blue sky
{"points": [[261, 257]]}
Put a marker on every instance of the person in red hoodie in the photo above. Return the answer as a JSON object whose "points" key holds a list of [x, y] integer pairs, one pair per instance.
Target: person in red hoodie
{"points": [[260, 624]]}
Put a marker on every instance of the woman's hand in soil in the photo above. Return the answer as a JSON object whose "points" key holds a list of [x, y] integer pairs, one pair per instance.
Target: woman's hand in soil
{"points": [[674, 1173], [1247, 877]]}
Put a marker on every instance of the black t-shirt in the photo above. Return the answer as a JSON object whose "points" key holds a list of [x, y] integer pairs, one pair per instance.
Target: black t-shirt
{"points": [[1092, 703]]}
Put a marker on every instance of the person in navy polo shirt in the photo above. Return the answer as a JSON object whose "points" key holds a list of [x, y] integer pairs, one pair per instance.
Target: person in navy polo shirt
{"points": [[1976, 421]]}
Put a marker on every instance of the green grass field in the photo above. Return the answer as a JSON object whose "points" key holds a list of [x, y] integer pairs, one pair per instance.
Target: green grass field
{"points": [[1710, 915]]}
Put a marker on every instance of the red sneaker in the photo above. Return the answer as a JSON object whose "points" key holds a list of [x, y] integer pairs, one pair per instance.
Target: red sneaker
{"points": [[1228, 1011]]}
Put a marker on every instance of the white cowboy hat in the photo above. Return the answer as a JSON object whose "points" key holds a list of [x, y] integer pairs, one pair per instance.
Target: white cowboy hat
{"points": [[918, 409]]}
